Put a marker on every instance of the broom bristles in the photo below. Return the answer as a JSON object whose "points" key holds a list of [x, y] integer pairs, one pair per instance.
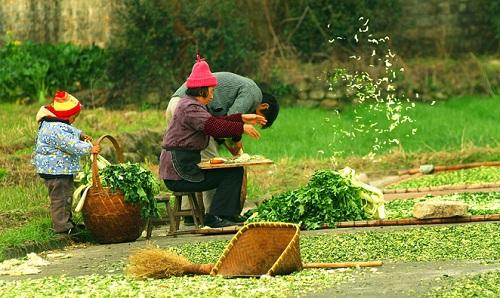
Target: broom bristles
{"points": [[156, 263]]}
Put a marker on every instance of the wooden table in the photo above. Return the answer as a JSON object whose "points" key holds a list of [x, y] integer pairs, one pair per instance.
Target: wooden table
{"points": [[206, 165]]}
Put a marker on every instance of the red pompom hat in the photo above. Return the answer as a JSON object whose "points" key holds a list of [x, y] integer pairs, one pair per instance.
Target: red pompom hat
{"points": [[201, 76], [64, 105]]}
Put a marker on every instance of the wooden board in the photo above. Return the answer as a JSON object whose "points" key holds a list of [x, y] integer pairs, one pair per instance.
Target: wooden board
{"points": [[217, 231], [206, 165]]}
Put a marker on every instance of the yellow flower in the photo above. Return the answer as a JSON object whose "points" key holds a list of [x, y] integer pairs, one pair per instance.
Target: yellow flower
{"points": [[17, 43]]}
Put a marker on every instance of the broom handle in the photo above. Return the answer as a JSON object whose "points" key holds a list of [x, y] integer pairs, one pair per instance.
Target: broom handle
{"points": [[205, 269], [198, 269], [342, 265]]}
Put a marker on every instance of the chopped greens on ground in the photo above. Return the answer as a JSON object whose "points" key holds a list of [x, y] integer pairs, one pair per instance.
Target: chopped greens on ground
{"points": [[429, 243], [297, 284], [457, 242], [466, 176], [477, 285], [453, 242], [482, 203], [329, 197]]}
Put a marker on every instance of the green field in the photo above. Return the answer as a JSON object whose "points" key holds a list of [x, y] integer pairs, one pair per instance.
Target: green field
{"points": [[302, 133], [301, 141]]}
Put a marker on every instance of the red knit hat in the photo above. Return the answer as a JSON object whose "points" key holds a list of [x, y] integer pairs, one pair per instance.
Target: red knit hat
{"points": [[64, 105], [201, 76]]}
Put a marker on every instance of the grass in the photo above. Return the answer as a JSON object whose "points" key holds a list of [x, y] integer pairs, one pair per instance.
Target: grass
{"points": [[450, 125], [301, 141], [301, 133], [35, 232]]}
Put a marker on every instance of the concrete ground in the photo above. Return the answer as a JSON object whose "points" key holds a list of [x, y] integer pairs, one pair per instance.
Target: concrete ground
{"points": [[391, 280]]}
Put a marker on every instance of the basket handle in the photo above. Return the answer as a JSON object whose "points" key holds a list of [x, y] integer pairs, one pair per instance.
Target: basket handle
{"points": [[96, 180]]}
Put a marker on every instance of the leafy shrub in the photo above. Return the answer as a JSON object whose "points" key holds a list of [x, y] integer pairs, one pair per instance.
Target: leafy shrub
{"points": [[492, 15], [34, 71], [159, 39], [323, 20]]}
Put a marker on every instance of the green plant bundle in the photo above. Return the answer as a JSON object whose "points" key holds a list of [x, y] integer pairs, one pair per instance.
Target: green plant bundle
{"points": [[329, 197], [138, 185]]}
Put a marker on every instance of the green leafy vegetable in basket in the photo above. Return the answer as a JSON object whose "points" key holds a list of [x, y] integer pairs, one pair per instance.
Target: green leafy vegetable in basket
{"points": [[329, 197], [138, 185]]}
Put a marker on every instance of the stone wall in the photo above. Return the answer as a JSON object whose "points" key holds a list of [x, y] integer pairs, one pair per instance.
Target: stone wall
{"points": [[444, 27], [83, 22], [426, 26]]}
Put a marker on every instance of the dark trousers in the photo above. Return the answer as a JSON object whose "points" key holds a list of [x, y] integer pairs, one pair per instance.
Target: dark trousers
{"points": [[228, 184], [61, 198]]}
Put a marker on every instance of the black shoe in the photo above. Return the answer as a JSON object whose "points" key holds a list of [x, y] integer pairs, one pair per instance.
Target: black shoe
{"points": [[237, 219], [215, 221], [188, 221], [75, 231], [79, 226], [74, 234]]}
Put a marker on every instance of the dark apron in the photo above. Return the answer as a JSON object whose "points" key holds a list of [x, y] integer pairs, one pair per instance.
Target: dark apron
{"points": [[186, 164]]}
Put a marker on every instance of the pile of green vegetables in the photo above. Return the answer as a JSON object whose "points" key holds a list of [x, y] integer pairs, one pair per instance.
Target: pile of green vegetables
{"points": [[137, 184], [329, 197]]}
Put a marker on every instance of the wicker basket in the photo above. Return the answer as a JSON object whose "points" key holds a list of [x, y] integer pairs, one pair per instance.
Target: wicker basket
{"points": [[106, 214], [261, 248]]}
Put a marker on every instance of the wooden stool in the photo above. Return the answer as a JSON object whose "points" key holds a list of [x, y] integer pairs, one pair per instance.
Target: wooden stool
{"points": [[197, 210], [160, 199]]}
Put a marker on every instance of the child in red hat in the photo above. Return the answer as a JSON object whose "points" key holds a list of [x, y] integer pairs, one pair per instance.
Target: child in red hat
{"points": [[59, 147]]}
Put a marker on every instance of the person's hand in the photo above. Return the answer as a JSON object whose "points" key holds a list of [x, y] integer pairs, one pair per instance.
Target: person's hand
{"points": [[251, 131], [84, 137], [96, 149], [236, 148], [253, 119]]}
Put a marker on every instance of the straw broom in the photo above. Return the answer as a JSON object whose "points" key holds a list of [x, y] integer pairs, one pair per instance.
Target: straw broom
{"points": [[158, 263]]}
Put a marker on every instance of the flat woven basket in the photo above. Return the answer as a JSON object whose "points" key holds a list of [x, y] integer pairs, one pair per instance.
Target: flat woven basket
{"points": [[261, 248], [106, 214]]}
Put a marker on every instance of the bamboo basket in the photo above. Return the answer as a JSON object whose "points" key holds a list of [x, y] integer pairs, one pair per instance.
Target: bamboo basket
{"points": [[261, 248], [106, 214]]}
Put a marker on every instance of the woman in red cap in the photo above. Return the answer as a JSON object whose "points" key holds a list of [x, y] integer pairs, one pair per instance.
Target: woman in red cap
{"points": [[189, 133], [59, 147]]}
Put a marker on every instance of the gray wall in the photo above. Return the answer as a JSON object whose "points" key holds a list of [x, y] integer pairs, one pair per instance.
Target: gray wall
{"points": [[82, 22]]}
